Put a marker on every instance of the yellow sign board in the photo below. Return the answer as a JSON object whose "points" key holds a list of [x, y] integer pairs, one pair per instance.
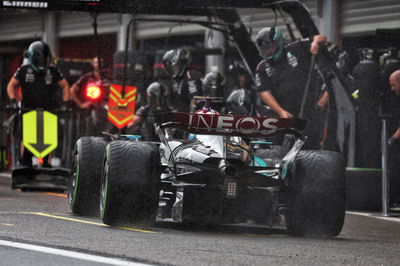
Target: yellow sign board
{"points": [[40, 132]]}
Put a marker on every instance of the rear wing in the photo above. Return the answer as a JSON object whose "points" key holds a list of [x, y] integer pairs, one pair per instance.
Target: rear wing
{"points": [[230, 125]]}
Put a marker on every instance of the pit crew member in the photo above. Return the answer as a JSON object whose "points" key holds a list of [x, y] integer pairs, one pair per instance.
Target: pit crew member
{"points": [[39, 82], [187, 82]]}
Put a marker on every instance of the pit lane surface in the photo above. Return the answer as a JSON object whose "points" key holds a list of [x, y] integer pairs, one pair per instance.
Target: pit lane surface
{"points": [[44, 220]]}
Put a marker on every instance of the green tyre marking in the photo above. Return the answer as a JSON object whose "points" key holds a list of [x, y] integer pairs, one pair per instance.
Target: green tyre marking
{"points": [[104, 185], [76, 172]]}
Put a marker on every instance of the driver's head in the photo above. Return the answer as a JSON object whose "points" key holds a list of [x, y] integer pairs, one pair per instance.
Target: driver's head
{"points": [[39, 56], [176, 62], [270, 43], [207, 110], [395, 82]]}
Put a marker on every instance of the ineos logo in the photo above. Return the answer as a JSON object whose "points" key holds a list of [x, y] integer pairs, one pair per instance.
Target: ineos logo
{"points": [[233, 124], [247, 125]]}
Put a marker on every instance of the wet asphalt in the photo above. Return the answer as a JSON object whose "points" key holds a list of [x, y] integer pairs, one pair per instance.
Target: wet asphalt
{"points": [[44, 219]]}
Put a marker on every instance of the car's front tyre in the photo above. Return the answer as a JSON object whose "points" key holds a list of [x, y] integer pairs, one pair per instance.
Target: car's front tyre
{"points": [[84, 181]]}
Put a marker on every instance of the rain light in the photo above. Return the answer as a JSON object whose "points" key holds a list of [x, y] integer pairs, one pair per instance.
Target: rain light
{"points": [[93, 92]]}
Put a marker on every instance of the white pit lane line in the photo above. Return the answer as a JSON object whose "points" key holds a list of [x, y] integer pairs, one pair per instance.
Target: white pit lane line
{"points": [[70, 254], [376, 216]]}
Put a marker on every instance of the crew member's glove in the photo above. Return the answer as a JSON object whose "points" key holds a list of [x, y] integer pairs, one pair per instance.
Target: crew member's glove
{"points": [[393, 141], [14, 105]]}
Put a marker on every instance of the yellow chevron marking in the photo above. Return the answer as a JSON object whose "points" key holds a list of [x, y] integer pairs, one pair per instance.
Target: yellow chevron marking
{"points": [[119, 95], [120, 122], [113, 98]]}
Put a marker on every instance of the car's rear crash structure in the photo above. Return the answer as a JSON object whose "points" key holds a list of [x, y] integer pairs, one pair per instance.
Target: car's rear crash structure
{"points": [[217, 174]]}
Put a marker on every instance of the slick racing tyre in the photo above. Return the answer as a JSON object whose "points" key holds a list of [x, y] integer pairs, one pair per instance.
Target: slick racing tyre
{"points": [[130, 183], [317, 200], [85, 179]]}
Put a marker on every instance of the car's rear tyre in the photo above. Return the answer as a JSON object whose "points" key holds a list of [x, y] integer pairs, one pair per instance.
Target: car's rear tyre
{"points": [[275, 152], [318, 197], [130, 183], [85, 178]]}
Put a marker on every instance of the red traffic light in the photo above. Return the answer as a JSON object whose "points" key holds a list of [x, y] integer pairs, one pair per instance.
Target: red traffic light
{"points": [[93, 92]]}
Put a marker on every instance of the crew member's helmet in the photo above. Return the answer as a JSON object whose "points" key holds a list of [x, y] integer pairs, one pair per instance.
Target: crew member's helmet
{"points": [[155, 94], [39, 56], [270, 43], [239, 102], [237, 67], [213, 85], [366, 54], [176, 62]]}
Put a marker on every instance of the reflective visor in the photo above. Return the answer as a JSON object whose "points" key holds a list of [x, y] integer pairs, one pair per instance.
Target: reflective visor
{"points": [[173, 70], [41, 62], [268, 48]]}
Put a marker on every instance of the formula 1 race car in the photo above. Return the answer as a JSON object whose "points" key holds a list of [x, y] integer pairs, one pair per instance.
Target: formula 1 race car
{"points": [[221, 170]]}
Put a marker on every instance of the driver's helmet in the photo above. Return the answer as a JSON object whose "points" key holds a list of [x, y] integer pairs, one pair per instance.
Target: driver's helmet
{"points": [[213, 85], [270, 43], [176, 62], [239, 102], [39, 56], [155, 94], [204, 111], [207, 110]]}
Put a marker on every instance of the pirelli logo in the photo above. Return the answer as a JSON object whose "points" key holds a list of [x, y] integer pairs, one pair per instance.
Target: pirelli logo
{"points": [[28, 4]]}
